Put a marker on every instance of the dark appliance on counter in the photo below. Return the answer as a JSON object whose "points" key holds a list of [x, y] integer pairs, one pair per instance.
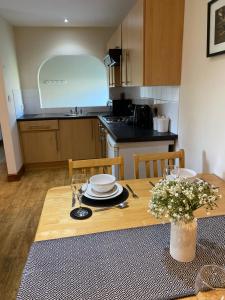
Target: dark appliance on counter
{"points": [[143, 116], [122, 107], [113, 57]]}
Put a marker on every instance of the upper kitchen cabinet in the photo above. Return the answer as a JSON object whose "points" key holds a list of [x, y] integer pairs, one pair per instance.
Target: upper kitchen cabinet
{"points": [[132, 45], [152, 34], [163, 41]]}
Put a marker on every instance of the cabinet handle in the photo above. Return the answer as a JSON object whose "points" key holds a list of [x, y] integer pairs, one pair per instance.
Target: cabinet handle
{"points": [[126, 66], [126, 53], [109, 76], [113, 76], [39, 127], [56, 141], [121, 75]]}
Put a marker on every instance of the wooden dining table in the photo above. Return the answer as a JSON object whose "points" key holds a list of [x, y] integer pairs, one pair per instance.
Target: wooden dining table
{"points": [[55, 221]]}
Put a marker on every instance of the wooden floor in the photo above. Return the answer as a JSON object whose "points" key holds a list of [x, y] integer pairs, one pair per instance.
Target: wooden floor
{"points": [[20, 208]]}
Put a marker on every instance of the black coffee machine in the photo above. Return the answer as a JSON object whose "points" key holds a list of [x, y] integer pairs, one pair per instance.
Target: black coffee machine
{"points": [[143, 116]]}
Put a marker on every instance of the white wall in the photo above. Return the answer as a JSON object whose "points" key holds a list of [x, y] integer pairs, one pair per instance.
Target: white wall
{"points": [[36, 44], [73, 80], [9, 91], [202, 98]]}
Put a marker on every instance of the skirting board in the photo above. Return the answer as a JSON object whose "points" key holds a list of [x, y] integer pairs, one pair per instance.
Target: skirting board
{"points": [[44, 165], [17, 176]]}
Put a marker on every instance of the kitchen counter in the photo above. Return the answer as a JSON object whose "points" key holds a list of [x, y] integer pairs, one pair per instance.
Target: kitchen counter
{"points": [[123, 133], [120, 132], [61, 116]]}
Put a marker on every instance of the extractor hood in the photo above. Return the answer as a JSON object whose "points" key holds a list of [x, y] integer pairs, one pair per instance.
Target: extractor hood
{"points": [[113, 57]]}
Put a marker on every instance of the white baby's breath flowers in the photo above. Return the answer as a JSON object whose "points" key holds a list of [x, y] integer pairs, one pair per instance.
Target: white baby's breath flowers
{"points": [[177, 199]]}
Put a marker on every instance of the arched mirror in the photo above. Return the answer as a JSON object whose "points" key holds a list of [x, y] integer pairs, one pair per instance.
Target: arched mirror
{"points": [[73, 80]]}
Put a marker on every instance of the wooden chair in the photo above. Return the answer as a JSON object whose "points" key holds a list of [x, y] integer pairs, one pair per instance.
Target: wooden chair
{"points": [[154, 159], [97, 166]]}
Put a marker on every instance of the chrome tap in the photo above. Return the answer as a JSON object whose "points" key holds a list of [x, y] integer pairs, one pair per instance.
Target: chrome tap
{"points": [[75, 110]]}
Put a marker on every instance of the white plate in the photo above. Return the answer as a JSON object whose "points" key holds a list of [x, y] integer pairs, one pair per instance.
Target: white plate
{"points": [[91, 192], [119, 191]]}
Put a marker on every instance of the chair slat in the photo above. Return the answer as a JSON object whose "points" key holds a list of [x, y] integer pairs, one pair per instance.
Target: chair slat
{"points": [[101, 170], [162, 164], [136, 166], [109, 169], [155, 157], [171, 162], [155, 168], [103, 165], [92, 171], [147, 167]]}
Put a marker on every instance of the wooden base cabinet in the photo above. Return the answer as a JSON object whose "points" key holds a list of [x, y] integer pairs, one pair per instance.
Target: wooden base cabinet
{"points": [[48, 141], [40, 141], [79, 139], [40, 146]]}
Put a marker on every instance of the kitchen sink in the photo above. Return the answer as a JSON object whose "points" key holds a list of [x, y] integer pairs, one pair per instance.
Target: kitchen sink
{"points": [[73, 115]]}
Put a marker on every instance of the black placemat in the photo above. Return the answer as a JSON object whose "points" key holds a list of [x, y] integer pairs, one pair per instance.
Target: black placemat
{"points": [[109, 202], [130, 264]]}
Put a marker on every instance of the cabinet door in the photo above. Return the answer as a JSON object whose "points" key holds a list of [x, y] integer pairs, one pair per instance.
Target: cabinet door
{"points": [[135, 44], [40, 146], [78, 139], [163, 41], [132, 44]]}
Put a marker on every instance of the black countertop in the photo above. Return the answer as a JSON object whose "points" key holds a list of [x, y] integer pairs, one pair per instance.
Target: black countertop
{"points": [[120, 132], [61, 116], [123, 133]]}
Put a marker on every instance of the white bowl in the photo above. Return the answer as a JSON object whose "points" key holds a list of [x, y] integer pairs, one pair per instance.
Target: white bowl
{"points": [[102, 183], [187, 174]]}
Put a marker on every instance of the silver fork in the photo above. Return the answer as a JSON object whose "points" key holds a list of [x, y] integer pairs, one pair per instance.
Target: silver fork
{"points": [[134, 195]]}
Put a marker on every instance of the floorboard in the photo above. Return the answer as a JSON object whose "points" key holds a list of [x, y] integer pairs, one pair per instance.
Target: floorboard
{"points": [[20, 208]]}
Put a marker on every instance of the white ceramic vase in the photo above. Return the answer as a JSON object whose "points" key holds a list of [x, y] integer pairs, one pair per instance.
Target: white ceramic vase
{"points": [[183, 240]]}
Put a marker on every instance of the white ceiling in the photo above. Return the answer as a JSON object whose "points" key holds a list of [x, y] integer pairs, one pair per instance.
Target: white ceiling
{"points": [[53, 12]]}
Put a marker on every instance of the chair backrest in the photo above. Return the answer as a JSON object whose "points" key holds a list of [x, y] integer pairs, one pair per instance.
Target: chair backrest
{"points": [[97, 166], [157, 161]]}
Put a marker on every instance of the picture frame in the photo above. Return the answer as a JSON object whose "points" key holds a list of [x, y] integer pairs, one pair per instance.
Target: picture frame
{"points": [[216, 28]]}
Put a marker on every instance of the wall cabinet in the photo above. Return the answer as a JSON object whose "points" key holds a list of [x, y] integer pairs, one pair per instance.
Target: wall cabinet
{"points": [[40, 141], [163, 38], [59, 140], [133, 47], [152, 34]]}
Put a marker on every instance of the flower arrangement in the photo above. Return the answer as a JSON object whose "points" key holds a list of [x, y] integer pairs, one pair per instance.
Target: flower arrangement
{"points": [[177, 199]]}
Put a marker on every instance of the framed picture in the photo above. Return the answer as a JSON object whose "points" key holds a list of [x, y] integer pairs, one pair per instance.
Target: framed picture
{"points": [[216, 28]]}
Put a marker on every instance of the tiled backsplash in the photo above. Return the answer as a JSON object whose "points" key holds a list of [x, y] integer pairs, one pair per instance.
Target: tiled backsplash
{"points": [[165, 98]]}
